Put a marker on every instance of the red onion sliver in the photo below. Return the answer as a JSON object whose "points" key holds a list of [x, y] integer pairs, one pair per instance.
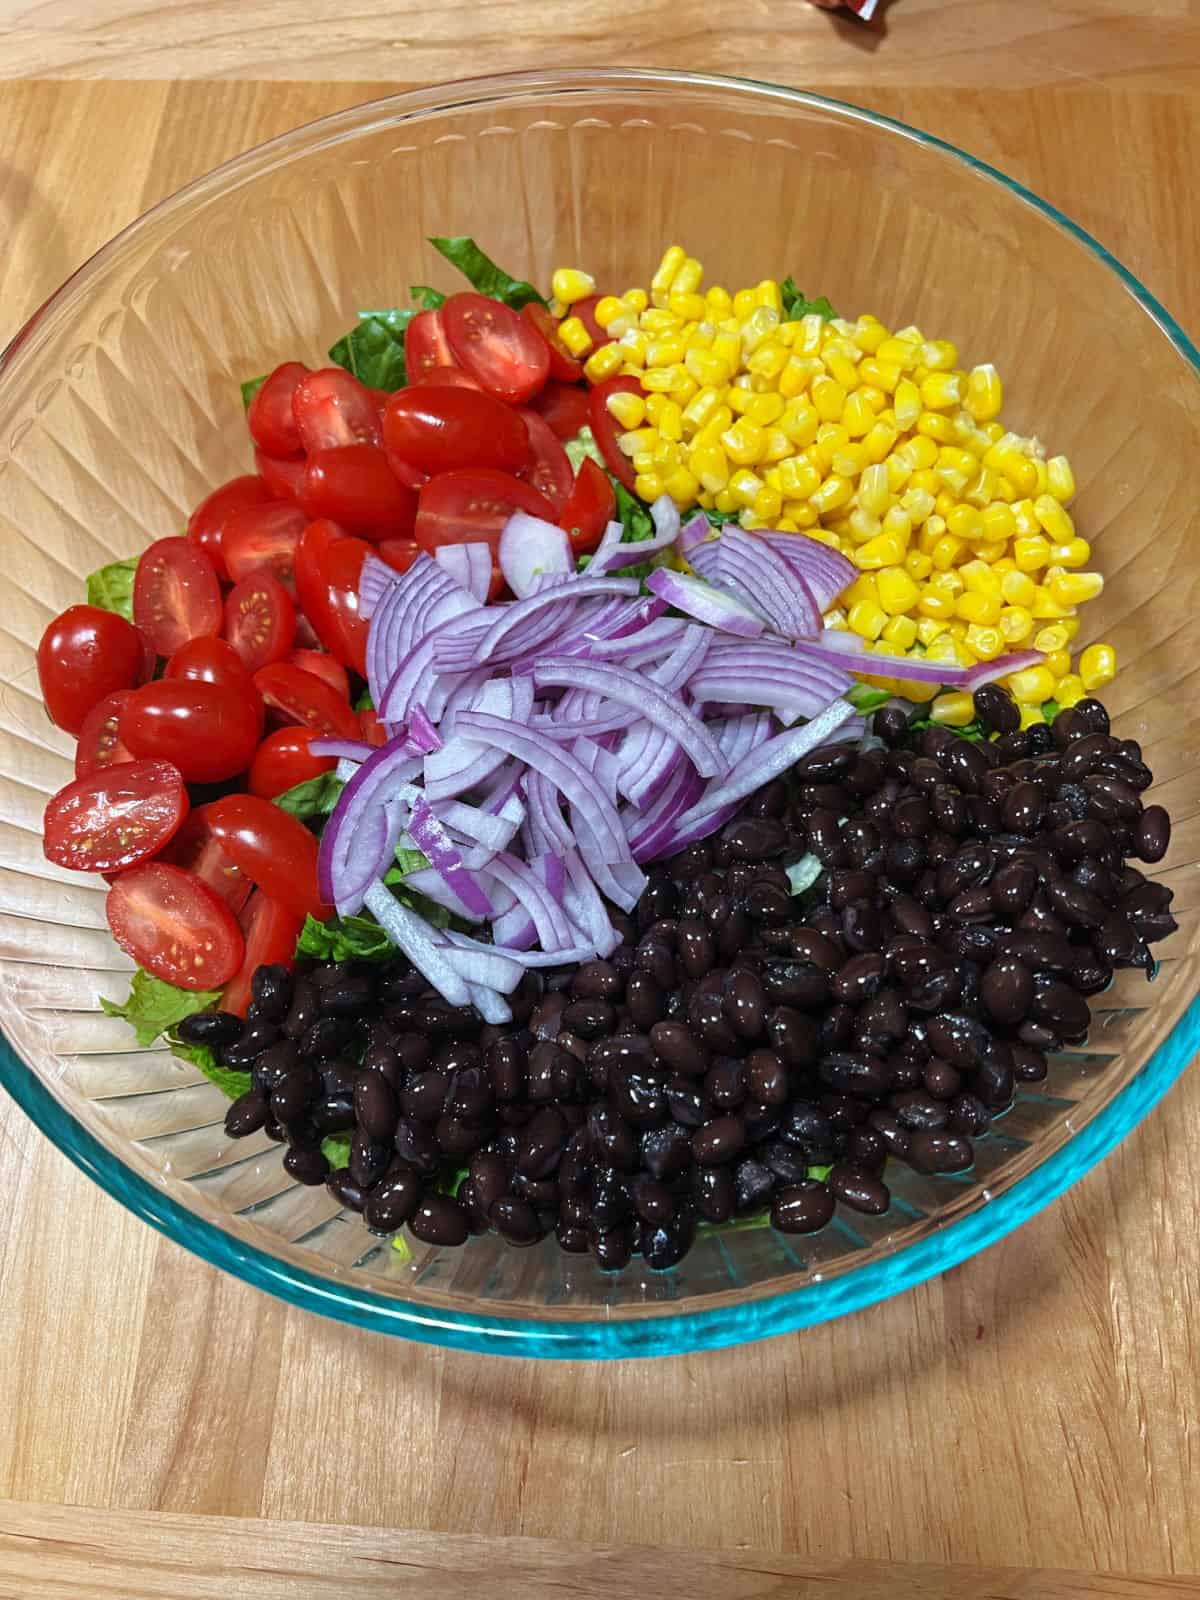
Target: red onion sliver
{"points": [[412, 934], [530, 548], [706, 603], [469, 565], [645, 698]]}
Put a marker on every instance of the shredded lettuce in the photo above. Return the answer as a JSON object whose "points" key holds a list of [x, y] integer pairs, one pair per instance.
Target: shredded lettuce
{"points": [[581, 446], [344, 939], [797, 305], [313, 799], [111, 588], [373, 350], [154, 1007], [866, 699], [250, 388]]}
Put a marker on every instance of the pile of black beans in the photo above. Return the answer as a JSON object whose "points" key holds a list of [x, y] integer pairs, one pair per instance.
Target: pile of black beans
{"points": [[745, 1051]]}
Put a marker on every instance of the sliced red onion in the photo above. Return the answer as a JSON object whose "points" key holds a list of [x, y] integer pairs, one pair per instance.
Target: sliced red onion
{"points": [[764, 580], [695, 531], [738, 736], [415, 676], [480, 963], [431, 838], [493, 1007], [549, 868], [612, 553], [653, 829], [346, 862], [565, 595], [707, 604], [603, 765], [530, 548], [374, 581], [421, 731], [390, 637], [913, 669], [469, 565], [645, 698], [547, 826], [493, 832], [585, 908], [825, 570], [988, 671], [356, 750], [768, 676], [548, 917], [412, 934], [430, 883]]}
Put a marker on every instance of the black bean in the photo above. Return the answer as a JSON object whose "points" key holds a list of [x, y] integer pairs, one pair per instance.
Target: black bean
{"points": [[796, 983], [916, 1109], [1006, 989], [941, 1079], [393, 1201], [276, 1062], [849, 1072], [253, 1040], [859, 979], [1077, 905], [996, 709], [718, 1141], [295, 1093], [614, 1142], [1152, 835], [861, 1191], [745, 1002], [677, 1046], [651, 1200], [1061, 1007], [345, 1191], [516, 1221], [415, 1145], [1028, 1064], [968, 1115], [706, 1016], [755, 838], [612, 1248], [804, 1207], [890, 1129], [213, 1028], [793, 1037], [326, 1037], [752, 1184], [439, 1220], [542, 1141], [247, 1114], [939, 1152]]}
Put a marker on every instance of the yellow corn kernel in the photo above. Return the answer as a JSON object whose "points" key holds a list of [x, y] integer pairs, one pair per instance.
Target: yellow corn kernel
{"points": [[776, 445], [873, 493], [744, 485], [740, 400], [1058, 662], [899, 472], [768, 503], [946, 649], [979, 578], [984, 641], [575, 336], [1071, 625], [627, 409], [688, 306], [719, 302], [659, 321], [802, 514], [1043, 477], [901, 631], [834, 492], [1031, 716], [1031, 554], [670, 421], [665, 456], [793, 379], [1075, 553], [932, 425], [883, 551], [985, 393], [906, 353], [883, 375], [1016, 624], [1055, 521], [724, 502], [607, 309], [918, 565], [867, 620], [942, 391], [1028, 526], [975, 607], [665, 352], [662, 380], [920, 453], [858, 417], [897, 591], [768, 361], [934, 604], [682, 485], [863, 591], [908, 404], [839, 366], [880, 441], [897, 521], [712, 430], [1045, 607], [1050, 639], [638, 440], [1031, 686], [953, 710], [800, 422], [918, 503], [1018, 589], [830, 438], [568, 284], [765, 409], [798, 477], [945, 552], [649, 486], [925, 480], [668, 267], [654, 406], [1074, 588], [999, 524], [743, 442], [964, 522], [829, 397], [849, 460], [1060, 480], [744, 304], [861, 526], [767, 293], [1070, 691], [700, 408], [945, 502], [711, 466], [929, 629]]}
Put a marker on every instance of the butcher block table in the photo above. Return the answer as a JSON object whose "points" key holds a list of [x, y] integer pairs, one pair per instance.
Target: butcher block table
{"points": [[1028, 1425]]}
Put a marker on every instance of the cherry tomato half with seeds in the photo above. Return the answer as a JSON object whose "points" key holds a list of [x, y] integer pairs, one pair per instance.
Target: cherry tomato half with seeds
{"points": [[260, 620], [591, 506], [550, 473], [206, 525], [564, 406], [176, 595], [115, 816], [99, 740], [434, 429], [333, 409], [283, 477], [270, 932], [84, 655], [446, 378], [328, 567], [425, 346], [605, 429], [299, 696], [274, 849], [473, 505], [270, 415], [208, 730], [322, 665], [563, 365], [259, 537], [496, 345], [283, 760], [356, 488], [196, 850], [175, 926]]}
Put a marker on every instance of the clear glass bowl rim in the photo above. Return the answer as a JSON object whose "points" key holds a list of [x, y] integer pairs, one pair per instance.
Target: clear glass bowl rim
{"points": [[630, 1336]]}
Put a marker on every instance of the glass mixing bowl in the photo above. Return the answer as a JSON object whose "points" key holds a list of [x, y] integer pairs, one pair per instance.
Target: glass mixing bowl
{"points": [[119, 410]]}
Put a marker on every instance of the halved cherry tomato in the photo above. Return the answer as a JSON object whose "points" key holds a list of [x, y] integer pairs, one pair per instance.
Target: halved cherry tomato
{"points": [[283, 760], [473, 504], [260, 537], [84, 655], [356, 487], [196, 849], [585, 310], [563, 364], [149, 658], [270, 932], [208, 730], [300, 696], [115, 816], [328, 567], [398, 553], [260, 620], [564, 406], [274, 849], [282, 476], [605, 429], [99, 742], [176, 596], [270, 417], [590, 508], [175, 926], [373, 731], [210, 661], [497, 346], [425, 346], [322, 665], [550, 473], [333, 409], [435, 430], [206, 525], [446, 378]]}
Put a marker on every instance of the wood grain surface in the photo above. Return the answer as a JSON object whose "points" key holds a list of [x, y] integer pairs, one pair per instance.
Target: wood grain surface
{"points": [[1035, 1409]]}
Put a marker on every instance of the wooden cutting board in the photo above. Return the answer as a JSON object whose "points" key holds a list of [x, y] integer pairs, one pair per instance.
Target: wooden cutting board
{"points": [[1035, 1409]]}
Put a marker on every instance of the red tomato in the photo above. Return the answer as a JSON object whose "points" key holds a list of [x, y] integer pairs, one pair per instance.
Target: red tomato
{"points": [[270, 933], [474, 504], [564, 406], [300, 696], [99, 742], [149, 658], [328, 566], [563, 364], [115, 816], [497, 346], [283, 760], [445, 378], [373, 731], [206, 525], [550, 473], [425, 346], [283, 477], [322, 665], [84, 655], [585, 310], [260, 620], [195, 849], [605, 429], [263, 537], [209, 731], [274, 849], [333, 409], [356, 487], [590, 508], [174, 926], [270, 417], [210, 661], [176, 596], [398, 553], [437, 429]]}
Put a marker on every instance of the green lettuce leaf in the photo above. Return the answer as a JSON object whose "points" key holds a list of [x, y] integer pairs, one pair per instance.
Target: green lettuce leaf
{"points": [[250, 388], [314, 798], [866, 699], [484, 275], [373, 350], [718, 519], [111, 587], [344, 939], [336, 1150], [229, 1080], [583, 444], [364, 701], [797, 305], [410, 861], [154, 1007]]}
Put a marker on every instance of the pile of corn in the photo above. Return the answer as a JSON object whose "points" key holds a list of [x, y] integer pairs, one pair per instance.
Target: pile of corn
{"points": [[877, 443]]}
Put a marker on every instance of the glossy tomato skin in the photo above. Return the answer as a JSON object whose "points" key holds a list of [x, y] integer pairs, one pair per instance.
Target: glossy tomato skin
{"points": [[550, 472], [328, 566], [425, 346], [283, 760], [605, 429], [373, 731], [260, 620], [210, 661], [446, 378], [99, 739], [270, 932], [333, 409], [263, 536], [274, 849], [176, 595], [473, 504], [115, 816], [435, 429], [206, 525], [564, 407], [196, 849], [283, 477], [208, 731], [563, 365], [270, 416], [355, 487], [398, 553], [591, 506], [299, 696], [84, 655], [175, 926], [496, 346], [322, 665]]}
